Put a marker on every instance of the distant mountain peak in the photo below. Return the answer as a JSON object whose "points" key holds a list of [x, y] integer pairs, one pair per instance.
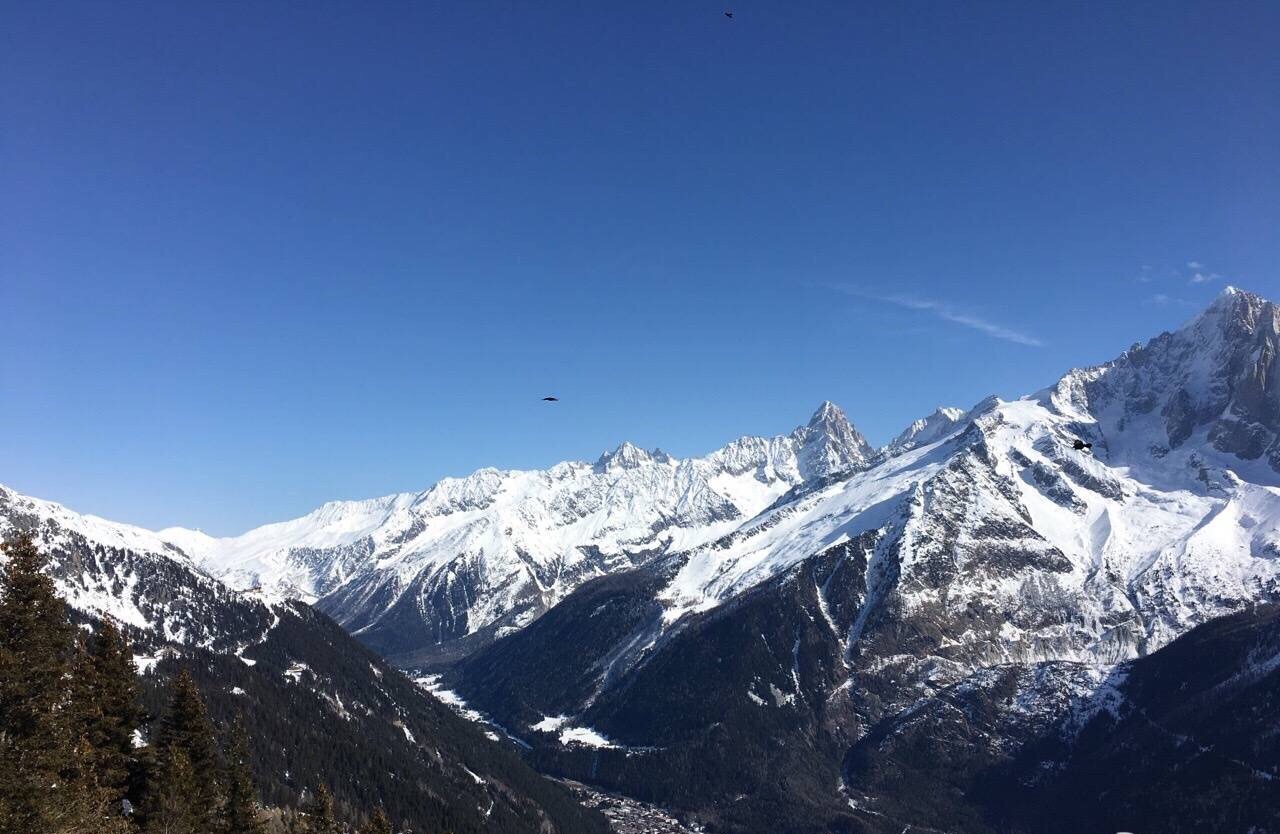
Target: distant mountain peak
{"points": [[946, 412], [627, 455], [1232, 308], [828, 413], [1215, 377], [829, 443]]}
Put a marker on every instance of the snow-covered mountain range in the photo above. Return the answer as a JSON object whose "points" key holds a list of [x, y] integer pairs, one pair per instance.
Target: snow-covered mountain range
{"points": [[475, 557], [1183, 468], [479, 556], [742, 621], [994, 554]]}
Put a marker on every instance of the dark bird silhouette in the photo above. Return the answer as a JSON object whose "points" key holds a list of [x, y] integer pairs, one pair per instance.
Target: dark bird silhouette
{"points": [[1079, 445], [551, 399], [729, 15]]}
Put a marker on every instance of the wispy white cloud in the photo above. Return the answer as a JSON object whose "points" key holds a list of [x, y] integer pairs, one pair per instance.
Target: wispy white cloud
{"points": [[1193, 272], [947, 312], [1164, 300]]}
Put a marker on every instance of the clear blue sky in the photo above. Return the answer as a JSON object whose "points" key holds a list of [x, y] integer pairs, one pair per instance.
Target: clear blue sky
{"points": [[255, 256]]}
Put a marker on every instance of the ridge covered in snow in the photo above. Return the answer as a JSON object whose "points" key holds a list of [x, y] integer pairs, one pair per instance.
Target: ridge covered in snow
{"points": [[927, 430], [486, 553], [494, 549], [1185, 449], [1170, 519]]}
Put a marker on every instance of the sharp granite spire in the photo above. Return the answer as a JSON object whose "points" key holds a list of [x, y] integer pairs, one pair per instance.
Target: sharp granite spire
{"points": [[830, 444]]}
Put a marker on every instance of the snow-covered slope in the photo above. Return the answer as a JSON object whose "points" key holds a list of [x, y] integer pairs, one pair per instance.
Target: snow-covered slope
{"points": [[285, 556], [1163, 543], [132, 575], [926, 430], [475, 555], [1171, 518]]}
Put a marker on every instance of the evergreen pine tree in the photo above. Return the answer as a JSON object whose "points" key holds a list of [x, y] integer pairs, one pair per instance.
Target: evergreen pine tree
{"points": [[34, 641], [320, 819], [377, 824], [142, 780], [186, 727], [170, 805], [48, 778], [110, 710], [241, 810]]}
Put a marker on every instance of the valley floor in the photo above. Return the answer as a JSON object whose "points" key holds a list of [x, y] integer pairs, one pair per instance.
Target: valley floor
{"points": [[626, 815]]}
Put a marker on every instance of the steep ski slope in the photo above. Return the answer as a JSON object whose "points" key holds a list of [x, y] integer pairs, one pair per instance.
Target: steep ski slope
{"points": [[853, 597], [432, 573], [318, 704]]}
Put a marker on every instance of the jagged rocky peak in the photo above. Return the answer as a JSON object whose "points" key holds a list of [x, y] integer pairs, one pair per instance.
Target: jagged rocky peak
{"points": [[1216, 375], [628, 456], [830, 443], [1236, 313]]}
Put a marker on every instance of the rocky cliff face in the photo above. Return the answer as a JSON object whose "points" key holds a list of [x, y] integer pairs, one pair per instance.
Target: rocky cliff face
{"points": [[1214, 381]]}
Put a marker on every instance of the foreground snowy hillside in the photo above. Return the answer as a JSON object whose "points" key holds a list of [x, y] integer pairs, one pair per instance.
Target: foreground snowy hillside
{"points": [[319, 705]]}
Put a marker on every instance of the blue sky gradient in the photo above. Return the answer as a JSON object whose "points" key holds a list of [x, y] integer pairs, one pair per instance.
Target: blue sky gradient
{"points": [[259, 256]]}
